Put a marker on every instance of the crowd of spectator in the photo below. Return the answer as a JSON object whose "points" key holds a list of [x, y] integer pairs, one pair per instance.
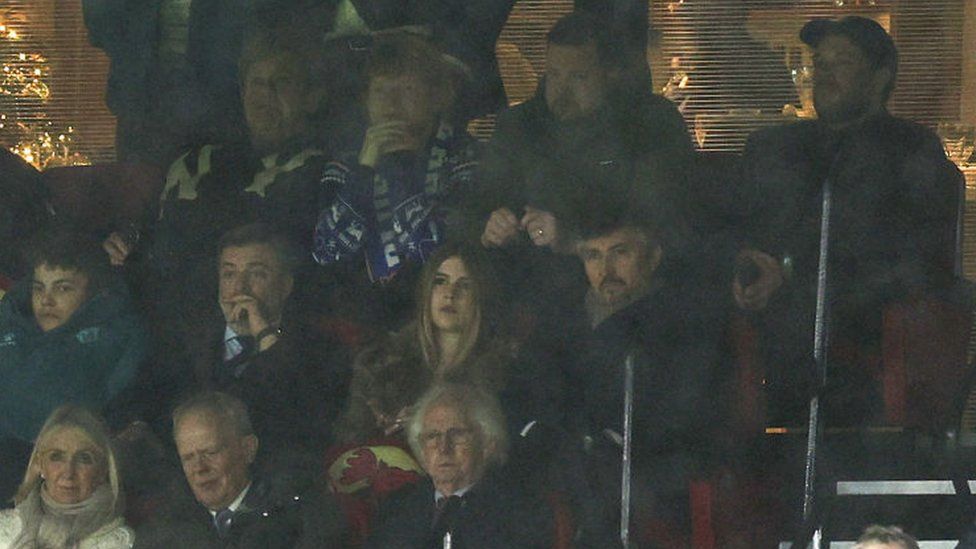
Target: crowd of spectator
{"points": [[351, 324]]}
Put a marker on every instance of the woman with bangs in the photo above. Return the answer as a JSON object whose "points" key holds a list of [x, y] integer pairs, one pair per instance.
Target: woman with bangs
{"points": [[455, 337]]}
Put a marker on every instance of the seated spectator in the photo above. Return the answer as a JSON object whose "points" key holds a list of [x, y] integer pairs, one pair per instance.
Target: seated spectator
{"points": [[230, 506], [396, 198], [274, 176], [672, 327], [71, 495], [265, 350], [71, 311], [373, 458], [577, 123], [459, 433], [887, 537]]}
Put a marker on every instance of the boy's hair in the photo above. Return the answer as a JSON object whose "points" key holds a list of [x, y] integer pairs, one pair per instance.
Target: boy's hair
{"points": [[877, 533], [71, 250]]}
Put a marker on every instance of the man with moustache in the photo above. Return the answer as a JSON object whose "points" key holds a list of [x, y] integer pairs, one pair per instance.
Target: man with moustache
{"points": [[638, 306], [892, 224]]}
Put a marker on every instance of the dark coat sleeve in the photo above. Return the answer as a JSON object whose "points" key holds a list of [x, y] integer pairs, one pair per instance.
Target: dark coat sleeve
{"points": [[499, 179]]}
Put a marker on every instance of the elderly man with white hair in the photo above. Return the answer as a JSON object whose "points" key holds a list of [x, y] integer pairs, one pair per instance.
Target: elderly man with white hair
{"points": [[229, 505], [458, 433]]}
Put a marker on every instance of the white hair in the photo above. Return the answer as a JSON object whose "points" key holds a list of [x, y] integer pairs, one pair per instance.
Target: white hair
{"points": [[480, 408]]}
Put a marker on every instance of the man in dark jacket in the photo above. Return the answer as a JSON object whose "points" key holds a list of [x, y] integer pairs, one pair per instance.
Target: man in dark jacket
{"points": [[290, 372], [582, 123], [229, 506], [638, 306], [273, 176], [584, 136], [281, 361], [892, 223], [459, 434]]}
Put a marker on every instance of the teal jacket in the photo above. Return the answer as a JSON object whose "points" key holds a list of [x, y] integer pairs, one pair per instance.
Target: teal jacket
{"points": [[88, 360]]}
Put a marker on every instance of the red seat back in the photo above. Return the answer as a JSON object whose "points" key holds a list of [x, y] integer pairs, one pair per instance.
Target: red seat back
{"points": [[101, 198], [924, 362]]}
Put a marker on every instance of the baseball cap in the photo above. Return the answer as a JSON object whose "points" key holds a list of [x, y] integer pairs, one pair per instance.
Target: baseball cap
{"points": [[866, 33]]}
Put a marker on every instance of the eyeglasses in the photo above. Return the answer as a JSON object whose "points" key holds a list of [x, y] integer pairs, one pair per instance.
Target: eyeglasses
{"points": [[453, 437]]}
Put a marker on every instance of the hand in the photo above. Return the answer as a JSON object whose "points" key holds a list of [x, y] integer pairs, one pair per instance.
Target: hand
{"points": [[384, 138], [541, 226], [134, 431], [400, 421], [501, 229], [117, 247], [389, 424], [245, 314], [756, 296]]}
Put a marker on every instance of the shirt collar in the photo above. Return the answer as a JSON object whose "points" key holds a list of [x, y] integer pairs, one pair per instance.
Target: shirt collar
{"points": [[438, 495], [236, 504], [232, 345]]}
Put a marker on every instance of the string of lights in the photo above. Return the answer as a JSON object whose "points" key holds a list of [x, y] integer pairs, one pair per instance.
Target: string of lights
{"points": [[40, 142]]}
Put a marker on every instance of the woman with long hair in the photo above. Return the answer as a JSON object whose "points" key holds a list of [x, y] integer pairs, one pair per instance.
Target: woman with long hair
{"points": [[455, 337], [71, 495]]}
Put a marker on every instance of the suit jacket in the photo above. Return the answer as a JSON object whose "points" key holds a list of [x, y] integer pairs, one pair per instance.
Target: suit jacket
{"points": [[272, 515], [294, 390], [492, 515]]}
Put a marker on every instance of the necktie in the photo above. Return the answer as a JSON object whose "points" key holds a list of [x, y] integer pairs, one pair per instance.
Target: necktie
{"points": [[444, 516], [222, 521]]}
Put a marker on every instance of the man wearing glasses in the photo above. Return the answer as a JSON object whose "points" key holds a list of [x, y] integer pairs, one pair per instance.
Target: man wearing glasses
{"points": [[458, 433]]}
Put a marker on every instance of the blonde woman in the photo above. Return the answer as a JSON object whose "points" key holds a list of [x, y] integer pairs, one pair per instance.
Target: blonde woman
{"points": [[71, 495]]}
